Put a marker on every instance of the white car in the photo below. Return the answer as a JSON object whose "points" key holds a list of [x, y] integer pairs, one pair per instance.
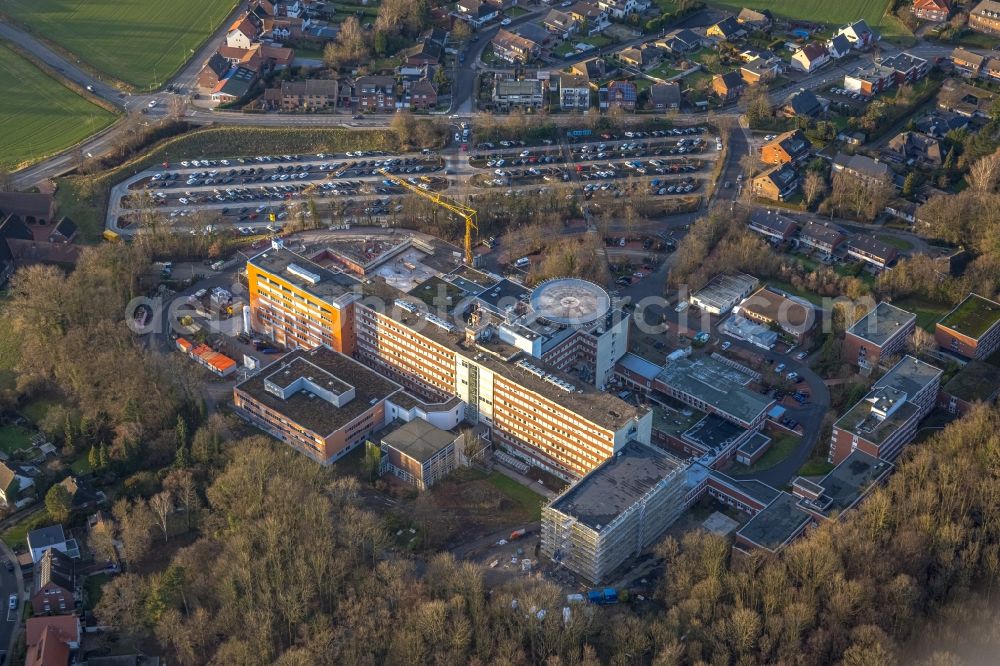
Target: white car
{"points": [[725, 345], [506, 21], [152, 103]]}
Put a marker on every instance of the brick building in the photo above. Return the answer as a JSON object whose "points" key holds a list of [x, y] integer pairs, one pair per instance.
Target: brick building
{"points": [[881, 332], [972, 329]]}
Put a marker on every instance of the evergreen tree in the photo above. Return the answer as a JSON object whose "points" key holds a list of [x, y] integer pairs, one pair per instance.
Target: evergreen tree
{"points": [[182, 460], [102, 456], [93, 458], [182, 433]]}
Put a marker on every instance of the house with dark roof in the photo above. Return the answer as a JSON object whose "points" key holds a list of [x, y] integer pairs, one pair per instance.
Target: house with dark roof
{"points": [[861, 166], [514, 48], [574, 92], [681, 41], [65, 231], [83, 497], [235, 86], [859, 34], [823, 237], [777, 184], [804, 104], [44, 538], [761, 69], [32, 207], [214, 70], [55, 584], [728, 29], [376, 94], [534, 32], [560, 24], [788, 148], [475, 12], [594, 69], [643, 56], [422, 53], [423, 95], [728, 86], [871, 251], [618, 95], [838, 46], [915, 148], [772, 224], [665, 96]]}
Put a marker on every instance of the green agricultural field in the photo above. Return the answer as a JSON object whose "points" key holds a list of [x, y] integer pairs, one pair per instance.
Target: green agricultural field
{"points": [[838, 12], [39, 115], [136, 41]]}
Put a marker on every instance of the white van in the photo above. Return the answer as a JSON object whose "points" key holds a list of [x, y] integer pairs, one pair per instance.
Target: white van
{"points": [[682, 306], [523, 262]]}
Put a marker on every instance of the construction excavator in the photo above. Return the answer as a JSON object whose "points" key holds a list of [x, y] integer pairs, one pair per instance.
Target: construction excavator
{"points": [[463, 211]]}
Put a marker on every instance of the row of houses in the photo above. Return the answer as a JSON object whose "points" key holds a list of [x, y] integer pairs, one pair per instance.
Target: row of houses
{"points": [[577, 92]]}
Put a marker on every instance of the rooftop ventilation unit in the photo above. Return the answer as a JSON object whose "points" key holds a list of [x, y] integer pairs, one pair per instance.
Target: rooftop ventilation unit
{"points": [[299, 272], [405, 305], [440, 323], [532, 369]]}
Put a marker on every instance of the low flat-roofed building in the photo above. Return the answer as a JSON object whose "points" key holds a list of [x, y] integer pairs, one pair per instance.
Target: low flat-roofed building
{"points": [[723, 292], [714, 437], [881, 332], [515, 93], [886, 419], [976, 382], [772, 224], [320, 402], [753, 449], [794, 316], [419, 453], [773, 527], [971, 329], [843, 488], [615, 511], [712, 386]]}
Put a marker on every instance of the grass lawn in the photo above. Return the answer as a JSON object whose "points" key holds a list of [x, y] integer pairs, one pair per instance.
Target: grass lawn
{"points": [[564, 48], [815, 467], [898, 243], [529, 500], [136, 41], [823, 11], [515, 12], [14, 437], [928, 313], [664, 71], [15, 536], [92, 586], [9, 350], [81, 465], [40, 116], [779, 450]]}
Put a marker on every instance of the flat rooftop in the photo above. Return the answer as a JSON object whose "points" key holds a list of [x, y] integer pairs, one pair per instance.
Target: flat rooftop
{"points": [[471, 280], [418, 439], [909, 375], [973, 316], [715, 384], [848, 482], [758, 490], [617, 484], [640, 366], [315, 413], [879, 325], [325, 284], [725, 289], [859, 419], [975, 381], [713, 433], [601, 408], [674, 422], [757, 441], [776, 524]]}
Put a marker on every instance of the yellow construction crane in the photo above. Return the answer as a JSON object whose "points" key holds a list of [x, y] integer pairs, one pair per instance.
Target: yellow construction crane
{"points": [[464, 212]]}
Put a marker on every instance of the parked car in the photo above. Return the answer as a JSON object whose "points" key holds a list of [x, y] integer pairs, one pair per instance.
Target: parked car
{"points": [[779, 368], [725, 345]]}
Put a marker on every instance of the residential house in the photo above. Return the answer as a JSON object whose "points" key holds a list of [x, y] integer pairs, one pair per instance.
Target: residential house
{"points": [[665, 96], [728, 86], [242, 33], [985, 17], [15, 484], [913, 147], [423, 95], [788, 148], [476, 12], [859, 34], [376, 94], [804, 104], [83, 497], [51, 641], [31, 207], [52, 536], [992, 70], [641, 57], [862, 167], [309, 95], [871, 251], [235, 86], [65, 231], [55, 584], [215, 70], [777, 184], [964, 100], [423, 53], [967, 63], [560, 24], [932, 10], [248, 58], [277, 57], [522, 94], [825, 238], [760, 69], [937, 124], [795, 317], [869, 79], [534, 32], [621, 9], [514, 48], [574, 92], [772, 224], [838, 47], [755, 20], [810, 57], [590, 17], [619, 95], [728, 29], [594, 69], [681, 41]]}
